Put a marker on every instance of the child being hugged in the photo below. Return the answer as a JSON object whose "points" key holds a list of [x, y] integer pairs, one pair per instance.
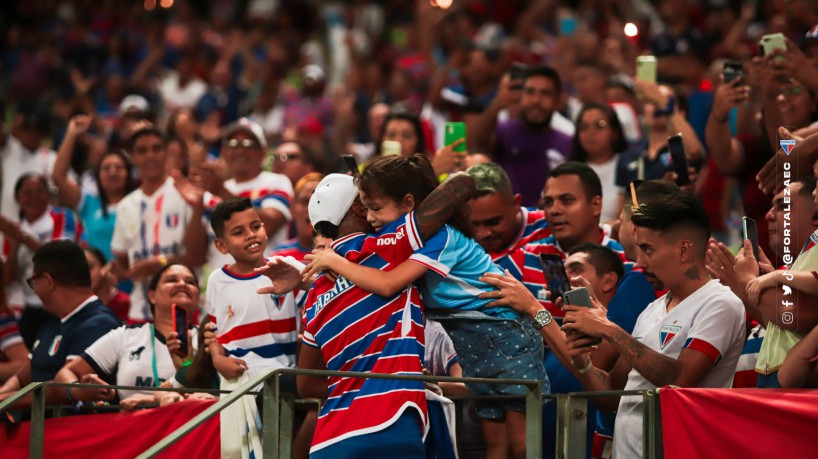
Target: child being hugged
{"points": [[491, 342]]}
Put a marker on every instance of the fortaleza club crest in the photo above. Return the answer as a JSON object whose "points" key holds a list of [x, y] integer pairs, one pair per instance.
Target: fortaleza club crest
{"points": [[787, 145], [667, 333]]}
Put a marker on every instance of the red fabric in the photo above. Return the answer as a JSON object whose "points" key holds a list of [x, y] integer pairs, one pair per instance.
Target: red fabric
{"points": [[119, 435], [730, 423]]}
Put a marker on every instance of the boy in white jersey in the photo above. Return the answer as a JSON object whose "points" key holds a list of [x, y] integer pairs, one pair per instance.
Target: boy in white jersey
{"points": [[153, 226], [256, 332]]}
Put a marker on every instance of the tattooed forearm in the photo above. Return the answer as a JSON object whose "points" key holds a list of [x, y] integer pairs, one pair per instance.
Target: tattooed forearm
{"points": [[444, 201], [692, 273], [655, 367]]}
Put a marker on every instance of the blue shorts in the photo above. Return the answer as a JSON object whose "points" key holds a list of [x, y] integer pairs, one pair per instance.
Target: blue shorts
{"points": [[401, 440], [491, 347]]}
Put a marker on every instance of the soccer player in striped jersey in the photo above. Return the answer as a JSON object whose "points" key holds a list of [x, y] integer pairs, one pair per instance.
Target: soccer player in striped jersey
{"points": [[348, 328], [450, 264]]}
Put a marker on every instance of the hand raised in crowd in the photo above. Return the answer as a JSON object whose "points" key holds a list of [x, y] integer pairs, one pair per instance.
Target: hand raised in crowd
{"points": [[79, 124], [692, 175], [447, 160], [89, 395], [506, 95], [192, 194], [720, 264], [229, 367], [10, 228], [792, 63], [727, 96], [651, 92], [208, 175], [771, 177], [321, 261]]}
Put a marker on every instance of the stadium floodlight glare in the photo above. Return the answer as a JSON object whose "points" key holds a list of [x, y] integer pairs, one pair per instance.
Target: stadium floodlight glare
{"points": [[631, 30], [442, 4]]}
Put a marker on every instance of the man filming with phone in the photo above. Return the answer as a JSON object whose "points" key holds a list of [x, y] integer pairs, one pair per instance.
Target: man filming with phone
{"points": [[690, 337]]}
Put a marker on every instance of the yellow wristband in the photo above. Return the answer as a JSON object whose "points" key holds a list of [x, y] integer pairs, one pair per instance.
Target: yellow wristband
{"points": [[442, 177]]}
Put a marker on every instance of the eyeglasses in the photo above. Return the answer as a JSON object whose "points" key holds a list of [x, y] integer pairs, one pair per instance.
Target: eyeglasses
{"points": [[30, 280], [598, 124], [284, 157], [791, 91], [243, 143]]}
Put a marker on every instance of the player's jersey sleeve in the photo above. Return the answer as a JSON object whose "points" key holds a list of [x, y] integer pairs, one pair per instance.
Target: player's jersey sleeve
{"points": [[714, 328], [432, 252], [103, 354]]}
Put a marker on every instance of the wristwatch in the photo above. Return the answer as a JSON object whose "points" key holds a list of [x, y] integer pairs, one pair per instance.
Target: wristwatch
{"points": [[542, 318]]}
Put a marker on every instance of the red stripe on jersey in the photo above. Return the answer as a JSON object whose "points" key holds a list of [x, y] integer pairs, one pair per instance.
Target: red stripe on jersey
{"points": [[705, 348], [59, 225], [257, 329], [212, 318]]}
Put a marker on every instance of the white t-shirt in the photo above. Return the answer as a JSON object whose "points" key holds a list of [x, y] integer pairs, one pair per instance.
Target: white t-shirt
{"points": [[439, 353], [610, 192], [267, 190], [260, 329], [128, 353], [149, 226], [18, 160], [711, 320]]}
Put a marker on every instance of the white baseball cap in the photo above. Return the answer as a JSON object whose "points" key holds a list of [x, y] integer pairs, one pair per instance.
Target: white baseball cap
{"points": [[332, 199], [249, 126], [134, 102]]}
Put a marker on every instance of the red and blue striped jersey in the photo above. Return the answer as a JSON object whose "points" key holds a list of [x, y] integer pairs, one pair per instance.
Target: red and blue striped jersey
{"points": [[550, 245], [9, 331], [356, 330], [523, 265]]}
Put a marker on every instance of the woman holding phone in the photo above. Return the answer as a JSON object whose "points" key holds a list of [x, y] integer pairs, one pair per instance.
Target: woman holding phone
{"points": [[138, 356]]}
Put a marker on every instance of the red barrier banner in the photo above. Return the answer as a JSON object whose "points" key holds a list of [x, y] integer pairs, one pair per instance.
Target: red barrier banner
{"points": [[119, 435], [739, 423]]}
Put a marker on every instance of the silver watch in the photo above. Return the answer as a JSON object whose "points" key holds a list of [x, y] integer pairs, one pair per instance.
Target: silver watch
{"points": [[542, 319]]}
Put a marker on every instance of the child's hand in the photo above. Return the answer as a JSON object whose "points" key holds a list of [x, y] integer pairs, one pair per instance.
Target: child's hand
{"points": [[284, 276], [758, 285], [321, 260], [229, 367]]}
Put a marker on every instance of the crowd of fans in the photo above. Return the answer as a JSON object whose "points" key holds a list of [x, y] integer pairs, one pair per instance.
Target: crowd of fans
{"points": [[153, 150]]}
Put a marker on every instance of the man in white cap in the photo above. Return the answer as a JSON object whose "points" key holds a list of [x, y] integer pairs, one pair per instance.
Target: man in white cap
{"points": [[348, 328], [244, 147]]}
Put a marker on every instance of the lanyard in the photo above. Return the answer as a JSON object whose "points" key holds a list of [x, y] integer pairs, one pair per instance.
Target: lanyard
{"points": [[153, 356]]}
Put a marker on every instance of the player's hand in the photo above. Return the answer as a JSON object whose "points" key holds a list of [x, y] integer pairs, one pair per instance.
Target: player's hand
{"points": [[321, 261], [229, 367], [510, 292], [284, 276]]}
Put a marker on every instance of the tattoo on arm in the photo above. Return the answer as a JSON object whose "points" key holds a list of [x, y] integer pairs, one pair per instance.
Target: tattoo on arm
{"points": [[655, 367], [439, 206]]}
